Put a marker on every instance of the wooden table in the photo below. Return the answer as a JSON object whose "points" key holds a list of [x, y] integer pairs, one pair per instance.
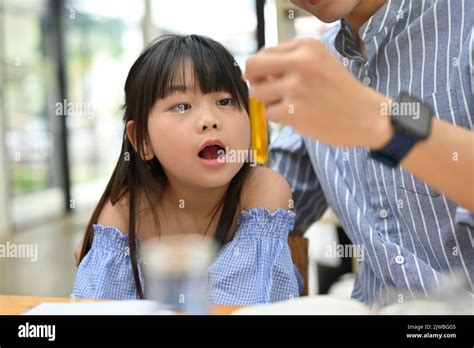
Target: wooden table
{"points": [[14, 305]]}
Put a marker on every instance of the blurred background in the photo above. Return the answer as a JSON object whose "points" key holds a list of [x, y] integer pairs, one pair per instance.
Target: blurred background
{"points": [[63, 64]]}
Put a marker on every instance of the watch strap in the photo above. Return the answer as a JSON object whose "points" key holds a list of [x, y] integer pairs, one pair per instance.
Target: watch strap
{"points": [[396, 149]]}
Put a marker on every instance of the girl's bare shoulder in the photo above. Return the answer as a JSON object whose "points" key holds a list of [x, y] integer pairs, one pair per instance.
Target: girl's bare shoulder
{"points": [[115, 215], [265, 188]]}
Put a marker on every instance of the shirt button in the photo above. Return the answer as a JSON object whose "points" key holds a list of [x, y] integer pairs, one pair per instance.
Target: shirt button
{"points": [[366, 80], [383, 213], [399, 259]]}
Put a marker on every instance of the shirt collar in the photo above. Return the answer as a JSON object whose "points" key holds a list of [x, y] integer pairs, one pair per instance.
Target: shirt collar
{"points": [[379, 25]]}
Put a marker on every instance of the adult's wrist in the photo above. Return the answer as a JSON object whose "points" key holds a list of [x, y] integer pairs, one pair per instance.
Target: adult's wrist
{"points": [[379, 126]]}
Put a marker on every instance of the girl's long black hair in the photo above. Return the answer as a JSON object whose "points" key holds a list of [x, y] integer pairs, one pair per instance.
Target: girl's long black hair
{"points": [[151, 77]]}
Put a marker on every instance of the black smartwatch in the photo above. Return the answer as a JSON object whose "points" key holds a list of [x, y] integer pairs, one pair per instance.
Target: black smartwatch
{"points": [[411, 120]]}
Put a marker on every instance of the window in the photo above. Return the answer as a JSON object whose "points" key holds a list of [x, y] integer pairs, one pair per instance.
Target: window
{"points": [[102, 39], [232, 23], [29, 89]]}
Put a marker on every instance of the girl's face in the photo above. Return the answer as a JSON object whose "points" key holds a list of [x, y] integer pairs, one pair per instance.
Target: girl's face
{"points": [[189, 131]]}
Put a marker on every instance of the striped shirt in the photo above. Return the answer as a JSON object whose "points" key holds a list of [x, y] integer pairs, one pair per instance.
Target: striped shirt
{"points": [[411, 235]]}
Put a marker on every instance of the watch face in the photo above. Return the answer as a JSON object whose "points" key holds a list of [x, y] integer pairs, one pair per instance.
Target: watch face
{"points": [[412, 116]]}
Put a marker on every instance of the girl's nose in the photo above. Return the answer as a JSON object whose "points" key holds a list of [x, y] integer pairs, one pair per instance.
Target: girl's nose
{"points": [[206, 126], [208, 122], [209, 118]]}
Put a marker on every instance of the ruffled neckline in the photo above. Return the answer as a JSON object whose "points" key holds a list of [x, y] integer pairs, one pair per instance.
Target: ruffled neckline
{"points": [[281, 220]]}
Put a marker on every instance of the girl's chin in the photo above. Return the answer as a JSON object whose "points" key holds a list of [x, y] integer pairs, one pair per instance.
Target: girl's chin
{"points": [[217, 177]]}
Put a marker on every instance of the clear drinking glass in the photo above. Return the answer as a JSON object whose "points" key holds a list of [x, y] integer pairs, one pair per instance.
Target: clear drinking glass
{"points": [[175, 271]]}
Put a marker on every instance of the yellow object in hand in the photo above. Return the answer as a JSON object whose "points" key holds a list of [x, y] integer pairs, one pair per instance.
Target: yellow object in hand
{"points": [[259, 133]]}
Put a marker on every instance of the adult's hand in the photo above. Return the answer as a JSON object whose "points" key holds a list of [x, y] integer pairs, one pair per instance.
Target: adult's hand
{"points": [[305, 86]]}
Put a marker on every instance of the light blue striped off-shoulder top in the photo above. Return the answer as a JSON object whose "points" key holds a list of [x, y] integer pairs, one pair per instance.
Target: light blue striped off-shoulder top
{"points": [[254, 267]]}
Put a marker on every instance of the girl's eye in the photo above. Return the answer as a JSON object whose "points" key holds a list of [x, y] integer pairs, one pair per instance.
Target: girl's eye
{"points": [[181, 107], [227, 102]]}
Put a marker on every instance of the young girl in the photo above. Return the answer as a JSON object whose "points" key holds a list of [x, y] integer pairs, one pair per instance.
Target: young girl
{"points": [[186, 110]]}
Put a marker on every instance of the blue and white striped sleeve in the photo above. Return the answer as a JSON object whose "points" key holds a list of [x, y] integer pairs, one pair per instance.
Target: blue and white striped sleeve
{"points": [[256, 266], [290, 158], [105, 272]]}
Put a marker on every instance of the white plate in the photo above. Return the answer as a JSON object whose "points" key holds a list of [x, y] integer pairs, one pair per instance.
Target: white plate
{"points": [[313, 305], [137, 307]]}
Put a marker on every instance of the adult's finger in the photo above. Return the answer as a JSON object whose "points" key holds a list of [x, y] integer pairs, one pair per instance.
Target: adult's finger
{"points": [[279, 112], [260, 66], [269, 91]]}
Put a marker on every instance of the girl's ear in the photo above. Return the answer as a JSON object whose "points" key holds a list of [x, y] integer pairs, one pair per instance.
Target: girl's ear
{"points": [[148, 150]]}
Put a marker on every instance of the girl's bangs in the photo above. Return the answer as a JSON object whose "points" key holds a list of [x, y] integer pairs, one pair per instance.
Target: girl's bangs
{"points": [[190, 60]]}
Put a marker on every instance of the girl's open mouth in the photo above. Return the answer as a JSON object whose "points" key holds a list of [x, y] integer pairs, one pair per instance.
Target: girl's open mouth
{"points": [[212, 152]]}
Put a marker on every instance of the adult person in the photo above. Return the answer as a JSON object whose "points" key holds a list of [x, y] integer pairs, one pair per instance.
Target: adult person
{"points": [[400, 182]]}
